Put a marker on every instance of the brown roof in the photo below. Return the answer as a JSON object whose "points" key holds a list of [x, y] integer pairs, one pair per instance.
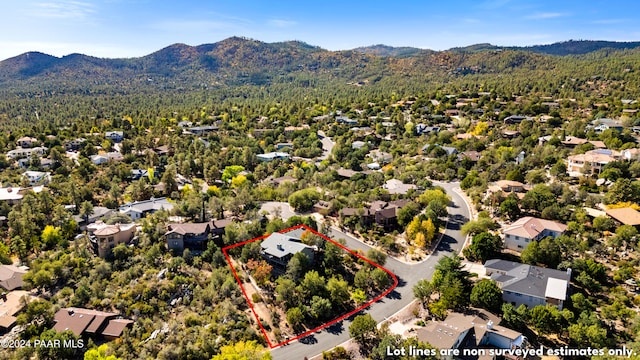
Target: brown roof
{"points": [[115, 327], [69, 319], [11, 277], [10, 307], [472, 155], [107, 230], [283, 179], [627, 216], [98, 321], [188, 228], [222, 223], [347, 173], [355, 211], [88, 321]]}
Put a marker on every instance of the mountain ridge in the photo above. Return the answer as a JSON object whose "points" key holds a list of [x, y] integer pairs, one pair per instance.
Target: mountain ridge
{"points": [[240, 61]]}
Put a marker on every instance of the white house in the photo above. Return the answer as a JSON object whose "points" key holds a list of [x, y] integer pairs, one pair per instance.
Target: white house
{"points": [[37, 177], [104, 158], [273, 156], [20, 153]]}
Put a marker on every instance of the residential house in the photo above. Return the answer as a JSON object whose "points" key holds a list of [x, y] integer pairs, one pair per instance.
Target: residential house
{"points": [[75, 144], [276, 155], [11, 304], [279, 248], [164, 149], [13, 195], [106, 237], [472, 329], [42, 163], [347, 173], [603, 124], [380, 212], [86, 322], [380, 156], [100, 159], [449, 150], [345, 120], [37, 177], [136, 174], [288, 130], [194, 236], [285, 145], [510, 134], [591, 162], [528, 284], [283, 179], [527, 229], [507, 187], [322, 207], [202, 130], [515, 119], [465, 136], [423, 129], [140, 209], [572, 141], [20, 153], [395, 186], [471, 155], [115, 136], [630, 154], [97, 213], [11, 277], [26, 142], [625, 216], [357, 145]]}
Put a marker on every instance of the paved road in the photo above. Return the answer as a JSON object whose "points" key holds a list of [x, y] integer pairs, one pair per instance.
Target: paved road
{"points": [[408, 275]]}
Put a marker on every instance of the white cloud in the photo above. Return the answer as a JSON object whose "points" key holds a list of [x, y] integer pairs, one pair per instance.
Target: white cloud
{"points": [[280, 23], [545, 15], [608, 21], [63, 9]]}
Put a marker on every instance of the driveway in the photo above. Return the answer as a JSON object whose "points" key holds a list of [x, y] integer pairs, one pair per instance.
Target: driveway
{"points": [[273, 208], [408, 275]]}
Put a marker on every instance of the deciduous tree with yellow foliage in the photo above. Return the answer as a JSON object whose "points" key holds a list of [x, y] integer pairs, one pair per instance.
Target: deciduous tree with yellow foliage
{"points": [[420, 232]]}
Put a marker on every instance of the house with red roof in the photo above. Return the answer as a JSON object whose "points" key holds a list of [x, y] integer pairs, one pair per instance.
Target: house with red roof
{"points": [[518, 235]]}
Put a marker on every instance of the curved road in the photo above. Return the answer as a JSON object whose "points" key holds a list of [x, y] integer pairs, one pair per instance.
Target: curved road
{"points": [[408, 274]]}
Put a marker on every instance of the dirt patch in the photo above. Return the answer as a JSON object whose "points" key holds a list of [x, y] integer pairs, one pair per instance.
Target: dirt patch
{"points": [[262, 310]]}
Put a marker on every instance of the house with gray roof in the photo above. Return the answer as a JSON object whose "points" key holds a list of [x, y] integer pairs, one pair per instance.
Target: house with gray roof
{"points": [[472, 329], [11, 277], [528, 284], [279, 248], [140, 209], [115, 136]]}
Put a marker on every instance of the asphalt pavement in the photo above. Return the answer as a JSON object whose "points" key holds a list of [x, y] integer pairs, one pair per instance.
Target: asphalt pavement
{"points": [[408, 275]]}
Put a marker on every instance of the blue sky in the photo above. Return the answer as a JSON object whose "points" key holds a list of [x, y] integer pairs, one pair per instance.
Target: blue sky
{"points": [[131, 28]]}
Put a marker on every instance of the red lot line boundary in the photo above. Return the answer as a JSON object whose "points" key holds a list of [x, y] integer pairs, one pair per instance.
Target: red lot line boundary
{"points": [[264, 332]]}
